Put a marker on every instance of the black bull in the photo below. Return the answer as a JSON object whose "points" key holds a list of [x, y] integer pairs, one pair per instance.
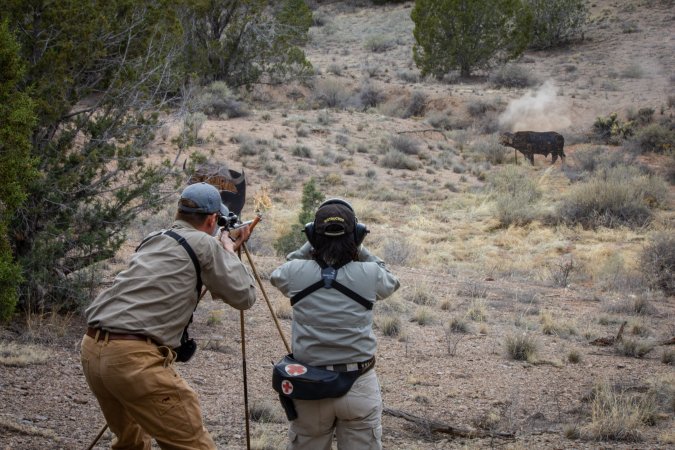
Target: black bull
{"points": [[530, 143]]}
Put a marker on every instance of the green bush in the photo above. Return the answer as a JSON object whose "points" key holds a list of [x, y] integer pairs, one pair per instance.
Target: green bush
{"points": [[621, 196], [311, 199], [612, 130]]}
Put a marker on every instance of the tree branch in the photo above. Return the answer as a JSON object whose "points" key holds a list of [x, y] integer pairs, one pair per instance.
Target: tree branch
{"points": [[448, 429]]}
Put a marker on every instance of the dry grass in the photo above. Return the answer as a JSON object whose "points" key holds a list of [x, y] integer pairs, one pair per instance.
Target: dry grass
{"points": [[522, 347], [283, 310], [10, 425], [20, 355], [618, 415], [389, 325]]}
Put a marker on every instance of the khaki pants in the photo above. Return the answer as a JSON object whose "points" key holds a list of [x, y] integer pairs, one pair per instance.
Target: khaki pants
{"points": [[142, 396], [356, 419]]}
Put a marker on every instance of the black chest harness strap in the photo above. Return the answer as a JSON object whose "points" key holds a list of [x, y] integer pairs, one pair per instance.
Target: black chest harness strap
{"points": [[187, 345], [328, 281], [181, 240]]}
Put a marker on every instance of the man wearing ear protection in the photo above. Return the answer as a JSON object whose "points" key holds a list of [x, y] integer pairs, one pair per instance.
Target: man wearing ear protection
{"points": [[333, 282]]}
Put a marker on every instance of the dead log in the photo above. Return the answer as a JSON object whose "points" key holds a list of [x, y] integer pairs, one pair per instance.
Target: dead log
{"points": [[424, 130], [611, 340], [439, 427]]}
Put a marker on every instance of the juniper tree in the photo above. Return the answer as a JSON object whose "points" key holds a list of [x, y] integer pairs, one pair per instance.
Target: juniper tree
{"points": [[16, 165], [241, 41], [97, 71], [468, 34]]}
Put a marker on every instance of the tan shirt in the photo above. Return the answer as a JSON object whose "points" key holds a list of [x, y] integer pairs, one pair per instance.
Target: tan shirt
{"points": [[156, 295]]}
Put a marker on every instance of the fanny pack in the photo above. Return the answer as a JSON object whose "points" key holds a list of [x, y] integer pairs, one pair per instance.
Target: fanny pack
{"points": [[293, 379]]}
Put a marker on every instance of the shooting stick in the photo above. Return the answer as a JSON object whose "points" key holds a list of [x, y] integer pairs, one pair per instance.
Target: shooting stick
{"points": [[267, 300], [243, 368], [98, 436]]}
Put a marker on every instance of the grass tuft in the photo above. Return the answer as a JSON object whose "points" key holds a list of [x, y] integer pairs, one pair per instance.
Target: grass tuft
{"points": [[521, 347]]}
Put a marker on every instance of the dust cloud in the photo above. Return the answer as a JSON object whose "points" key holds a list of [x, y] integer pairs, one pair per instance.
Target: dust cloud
{"points": [[540, 110]]}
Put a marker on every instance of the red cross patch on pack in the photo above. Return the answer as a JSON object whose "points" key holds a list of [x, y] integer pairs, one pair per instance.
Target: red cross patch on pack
{"points": [[295, 370]]}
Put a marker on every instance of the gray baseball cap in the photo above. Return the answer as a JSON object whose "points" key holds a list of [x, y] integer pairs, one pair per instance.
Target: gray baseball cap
{"points": [[206, 197]]}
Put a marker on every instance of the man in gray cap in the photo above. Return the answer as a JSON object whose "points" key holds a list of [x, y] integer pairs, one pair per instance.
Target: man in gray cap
{"points": [[333, 282], [134, 325]]}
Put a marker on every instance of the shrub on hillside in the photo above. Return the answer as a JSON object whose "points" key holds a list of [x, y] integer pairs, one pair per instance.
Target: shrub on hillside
{"points": [[516, 196], [642, 116], [216, 100], [396, 159], [380, 43], [330, 93], [405, 144], [597, 159], [479, 108], [416, 106], [657, 261], [512, 76], [556, 22], [440, 120], [398, 251], [491, 150], [618, 415], [621, 196], [370, 95], [521, 347], [655, 138]]}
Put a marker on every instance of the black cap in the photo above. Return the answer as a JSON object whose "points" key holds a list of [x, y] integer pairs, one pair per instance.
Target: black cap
{"points": [[334, 219]]}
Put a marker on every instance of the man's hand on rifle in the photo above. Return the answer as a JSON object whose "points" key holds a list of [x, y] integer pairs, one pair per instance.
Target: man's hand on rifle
{"points": [[231, 240]]}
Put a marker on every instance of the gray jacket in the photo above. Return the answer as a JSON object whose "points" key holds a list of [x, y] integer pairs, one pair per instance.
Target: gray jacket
{"points": [[329, 327]]}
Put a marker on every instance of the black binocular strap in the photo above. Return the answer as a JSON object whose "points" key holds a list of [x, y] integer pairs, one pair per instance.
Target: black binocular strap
{"points": [[338, 286]]}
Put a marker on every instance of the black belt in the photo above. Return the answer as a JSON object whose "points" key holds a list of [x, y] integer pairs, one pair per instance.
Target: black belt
{"points": [[361, 367], [102, 334]]}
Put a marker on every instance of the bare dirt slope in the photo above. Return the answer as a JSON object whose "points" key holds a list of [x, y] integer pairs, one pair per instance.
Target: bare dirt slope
{"points": [[496, 284]]}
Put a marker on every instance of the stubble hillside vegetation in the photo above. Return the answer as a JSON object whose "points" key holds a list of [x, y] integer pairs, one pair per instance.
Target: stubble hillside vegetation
{"points": [[536, 307]]}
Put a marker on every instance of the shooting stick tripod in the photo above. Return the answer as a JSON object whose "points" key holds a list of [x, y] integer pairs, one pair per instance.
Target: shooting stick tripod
{"points": [[243, 346]]}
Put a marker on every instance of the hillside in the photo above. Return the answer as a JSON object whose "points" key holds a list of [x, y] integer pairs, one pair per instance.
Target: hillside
{"points": [[472, 287]]}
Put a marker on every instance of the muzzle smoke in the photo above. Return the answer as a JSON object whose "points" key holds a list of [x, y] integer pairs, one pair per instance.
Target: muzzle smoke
{"points": [[540, 110]]}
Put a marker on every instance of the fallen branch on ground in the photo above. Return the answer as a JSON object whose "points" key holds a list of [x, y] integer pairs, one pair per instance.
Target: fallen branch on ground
{"points": [[445, 428]]}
